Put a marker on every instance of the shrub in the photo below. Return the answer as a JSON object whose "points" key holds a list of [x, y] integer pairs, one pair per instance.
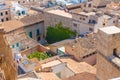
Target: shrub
{"points": [[58, 32], [39, 55]]}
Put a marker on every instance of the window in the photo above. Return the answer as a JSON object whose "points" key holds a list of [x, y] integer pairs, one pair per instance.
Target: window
{"points": [[89, 5], [83, 18], [94, 22], [2, 20], [30, 34], [84, 5], [17, 44], [13, 46], [90, 29], [114, 51], [84, 57], [1, 14], [113, 21], [6, 13], [90, 21], [19, 14], [37, 32], [104, 24], [80, 18], [74, 24], [23, 12], [6, 19], [38, 39]]}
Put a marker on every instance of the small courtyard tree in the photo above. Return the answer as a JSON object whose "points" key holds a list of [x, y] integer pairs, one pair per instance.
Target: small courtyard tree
{"points": [[58, 32]]}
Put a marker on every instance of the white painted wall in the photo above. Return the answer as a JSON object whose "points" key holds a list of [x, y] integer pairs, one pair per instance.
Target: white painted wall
{"points": [[83, 25], [63, 69], [100, 22]]}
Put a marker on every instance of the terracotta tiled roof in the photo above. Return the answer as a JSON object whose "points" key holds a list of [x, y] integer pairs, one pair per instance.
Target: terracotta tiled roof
{"points": [[83, 76], [79, 67], [31, 19], [48, 76], [25, 21], [30, 74], [12, 25]]}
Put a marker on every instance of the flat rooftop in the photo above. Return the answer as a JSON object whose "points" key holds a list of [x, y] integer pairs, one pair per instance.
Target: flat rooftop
{"points": [[110, 30], [87, 13], [51, 63], [22, 22], [48, 76], [61, 13], [79, 67], [106, 16], [116, 61], [3, 6], [82, 76], [63, 42], [28, 75], [26, 65]]}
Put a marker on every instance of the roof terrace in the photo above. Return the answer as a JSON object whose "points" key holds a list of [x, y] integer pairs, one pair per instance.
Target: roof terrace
{"points": [[3, 6], [116, 61], [60, 13], [110, 30]]}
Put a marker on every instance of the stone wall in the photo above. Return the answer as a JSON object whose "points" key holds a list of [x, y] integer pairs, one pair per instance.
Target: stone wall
{"points": [[52, 19], [107, 43], [90, 60], [105, 69], [6, 14], [7, 62], [39, 48]]}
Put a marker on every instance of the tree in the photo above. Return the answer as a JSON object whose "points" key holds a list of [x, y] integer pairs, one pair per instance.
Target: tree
{"points": [[40, 55], [58, 32]]}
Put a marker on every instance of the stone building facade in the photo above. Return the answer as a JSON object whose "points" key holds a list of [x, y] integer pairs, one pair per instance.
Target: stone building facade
{"points": [[108, 59], [53, 17], [86, 22], [7, 62], [103, 3], [5, 13]]}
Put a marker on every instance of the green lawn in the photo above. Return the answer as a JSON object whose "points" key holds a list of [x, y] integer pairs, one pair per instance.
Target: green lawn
{"points": [[40, 55]]}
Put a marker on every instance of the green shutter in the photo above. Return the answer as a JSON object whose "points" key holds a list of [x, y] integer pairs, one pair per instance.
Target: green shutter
{"points": [[23, 12], [13, 46], [30, 34], [17, 44], [19, 14], [37, 32]]}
